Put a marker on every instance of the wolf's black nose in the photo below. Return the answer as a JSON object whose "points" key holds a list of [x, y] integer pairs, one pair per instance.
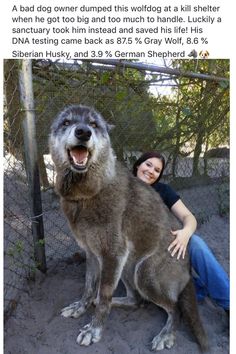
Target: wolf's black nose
{"points": [[83, 133]]}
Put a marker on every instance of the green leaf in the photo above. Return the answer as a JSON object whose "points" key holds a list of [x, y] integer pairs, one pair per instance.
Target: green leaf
{"points": [[187, 111], [121, 95], [105, 78], [224, 84]]}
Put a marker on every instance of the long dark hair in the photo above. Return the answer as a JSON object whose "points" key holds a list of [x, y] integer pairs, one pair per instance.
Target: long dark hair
{"points": [[146, 156]]}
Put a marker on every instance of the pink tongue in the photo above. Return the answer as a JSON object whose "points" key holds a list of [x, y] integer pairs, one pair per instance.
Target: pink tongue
{"points": [[78, 154]]}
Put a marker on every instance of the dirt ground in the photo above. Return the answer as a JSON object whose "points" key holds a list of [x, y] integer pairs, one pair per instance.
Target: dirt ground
{"points": [[36, 326]]}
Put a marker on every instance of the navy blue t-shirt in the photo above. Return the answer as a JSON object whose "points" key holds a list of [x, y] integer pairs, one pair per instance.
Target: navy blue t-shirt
{"points": [[168, 195]]}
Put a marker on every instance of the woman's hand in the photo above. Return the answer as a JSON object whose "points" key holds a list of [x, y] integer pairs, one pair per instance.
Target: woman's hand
{"points": [[180, 243], [183, 214]]}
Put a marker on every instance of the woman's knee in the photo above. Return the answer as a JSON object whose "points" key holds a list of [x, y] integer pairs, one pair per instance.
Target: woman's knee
{"points": [[197, 244]]}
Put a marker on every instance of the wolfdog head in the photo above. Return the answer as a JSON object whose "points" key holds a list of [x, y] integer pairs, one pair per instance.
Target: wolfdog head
{"points": [[78, 136]]}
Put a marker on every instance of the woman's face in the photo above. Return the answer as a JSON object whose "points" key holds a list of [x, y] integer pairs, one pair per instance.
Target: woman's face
{"points": [[150, 170]]}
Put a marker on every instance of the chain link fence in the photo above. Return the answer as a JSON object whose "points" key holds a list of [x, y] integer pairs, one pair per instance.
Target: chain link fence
{"points": [[183, 114]]}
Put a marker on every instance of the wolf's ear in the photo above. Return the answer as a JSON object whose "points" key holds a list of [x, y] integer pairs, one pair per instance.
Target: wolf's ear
{"points": [[110, 127]]}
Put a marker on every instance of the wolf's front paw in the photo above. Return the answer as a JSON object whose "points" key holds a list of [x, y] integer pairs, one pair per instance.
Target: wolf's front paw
{"points": [[89, 334], [74, 310]]}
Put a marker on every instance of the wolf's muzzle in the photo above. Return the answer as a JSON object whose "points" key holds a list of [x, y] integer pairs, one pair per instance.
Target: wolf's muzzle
{"points": [[83, 132]]}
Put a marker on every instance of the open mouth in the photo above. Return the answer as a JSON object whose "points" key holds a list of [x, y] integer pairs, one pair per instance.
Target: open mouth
{"points": [[78, 156]]}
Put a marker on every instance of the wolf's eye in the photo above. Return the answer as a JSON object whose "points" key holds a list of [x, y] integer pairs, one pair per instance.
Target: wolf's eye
{"points": [[93, 124], [66, 122]]}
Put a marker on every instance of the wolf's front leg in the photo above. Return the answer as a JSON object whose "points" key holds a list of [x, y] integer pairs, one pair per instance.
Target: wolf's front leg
{"points": [[110, 275], [78, 308]]}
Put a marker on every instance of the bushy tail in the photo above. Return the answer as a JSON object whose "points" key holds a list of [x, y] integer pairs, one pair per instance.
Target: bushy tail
{"points": [[189, 308]]}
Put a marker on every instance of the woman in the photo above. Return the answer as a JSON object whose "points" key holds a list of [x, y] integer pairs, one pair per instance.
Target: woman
{"points": [[210, 279]]}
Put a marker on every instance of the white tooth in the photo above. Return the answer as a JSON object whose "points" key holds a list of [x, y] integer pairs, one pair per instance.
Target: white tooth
{"points": [[81, 163]]}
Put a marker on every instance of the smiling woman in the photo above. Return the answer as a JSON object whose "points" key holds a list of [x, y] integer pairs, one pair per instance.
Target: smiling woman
{"points": [[150, 170], [149, 167], [210, 278]]}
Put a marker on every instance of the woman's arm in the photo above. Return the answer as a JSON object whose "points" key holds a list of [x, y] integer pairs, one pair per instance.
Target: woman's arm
{"points": [[182, 236]]}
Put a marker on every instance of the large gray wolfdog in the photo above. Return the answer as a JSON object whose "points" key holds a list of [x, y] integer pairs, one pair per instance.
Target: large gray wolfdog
{"points": [[122, 225]]}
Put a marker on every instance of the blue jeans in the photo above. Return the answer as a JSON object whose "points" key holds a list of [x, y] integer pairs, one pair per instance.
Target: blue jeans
{"points": [[210, 279]]}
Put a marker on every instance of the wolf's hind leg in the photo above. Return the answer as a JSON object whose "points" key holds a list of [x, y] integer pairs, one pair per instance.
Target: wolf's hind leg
{"points": [[153, 287], [78, 308], [166, 337]]}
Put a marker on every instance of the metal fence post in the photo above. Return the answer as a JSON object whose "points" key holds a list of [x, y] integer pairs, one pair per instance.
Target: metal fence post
{"points": [[32, 170]]}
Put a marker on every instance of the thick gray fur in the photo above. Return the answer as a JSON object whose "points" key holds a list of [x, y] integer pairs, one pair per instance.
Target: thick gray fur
{"points": [[124, 228]]}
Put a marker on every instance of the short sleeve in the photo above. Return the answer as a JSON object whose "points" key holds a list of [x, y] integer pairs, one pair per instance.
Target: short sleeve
{"points": [[168, 195]]}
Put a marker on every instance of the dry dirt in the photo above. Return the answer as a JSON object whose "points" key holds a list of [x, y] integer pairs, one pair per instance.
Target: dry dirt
{"points": [[36, 326]]}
